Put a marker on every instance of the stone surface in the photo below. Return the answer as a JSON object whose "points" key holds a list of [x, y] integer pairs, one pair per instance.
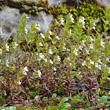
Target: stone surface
{"points": [[51, 2], [104, 2], [10, 17]]}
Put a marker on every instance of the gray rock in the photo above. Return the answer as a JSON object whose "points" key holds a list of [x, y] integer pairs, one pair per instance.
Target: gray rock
{"points": [[104, 2], [51, 2], [10, 18]]}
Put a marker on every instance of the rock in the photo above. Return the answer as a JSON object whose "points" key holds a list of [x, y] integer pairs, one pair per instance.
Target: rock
{"points": [[10, 17], [104, 2], [51, 2], [9, 20]]}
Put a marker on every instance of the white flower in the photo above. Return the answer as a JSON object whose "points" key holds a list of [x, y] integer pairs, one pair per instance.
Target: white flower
{"points": [[99, 67], [58, 57], [109, 71], [87, 51], [7, 63], [62, 21], [94, 26], [51, 61], [92, 62], [81, 19], [25, 70], [57, 37], [41, 56], [75, 51], [68, 58], [91, 46], [83, 42], [26, 30], [50, 32], [40, 44], [107, 59], [91, 39], [99, 61], [96, 65], [54, 69], [19, 82], [80, 47], [45, 59], [49, 37], [56, 22], [42, 35], [84, 63], [39, 73], [64, 47], [72, 19], [7, 47], [15, 45], [0, 51], [102, 43], [0, 60], [37, 26], [36, 97], [50, 51]]}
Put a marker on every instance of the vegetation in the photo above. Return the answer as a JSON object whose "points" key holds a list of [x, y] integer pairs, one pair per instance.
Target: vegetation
{"points": [[67, 68]]}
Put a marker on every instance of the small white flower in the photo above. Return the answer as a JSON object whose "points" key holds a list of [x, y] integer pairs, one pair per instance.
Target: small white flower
{"points": [[68, 58], [51, 61], [94, 25], [54, 69], [64, 47], [81, 19], [42, 35], [49, 37], [102, 43], [107, 59], [75, 51], [91, 46], [7, 63], [92, 62], [25, 70], [96, 65], [15, 45], [7, 47], [39, 73], [36, 97], [87, 51], [62, 21], [41, 56], [26, 30], [50, 32], [57, 37], [109, 71], [58, 57], [72, 19], [91, 38], [37, 26], [99, 61], [50, 51], [56, 22], [19, 82], [0, 51], [45, 59], [84, 63], [40, 44], [99, 67]]}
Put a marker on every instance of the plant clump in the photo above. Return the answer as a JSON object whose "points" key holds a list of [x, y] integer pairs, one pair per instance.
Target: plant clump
{"points": [[66, 68]]}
